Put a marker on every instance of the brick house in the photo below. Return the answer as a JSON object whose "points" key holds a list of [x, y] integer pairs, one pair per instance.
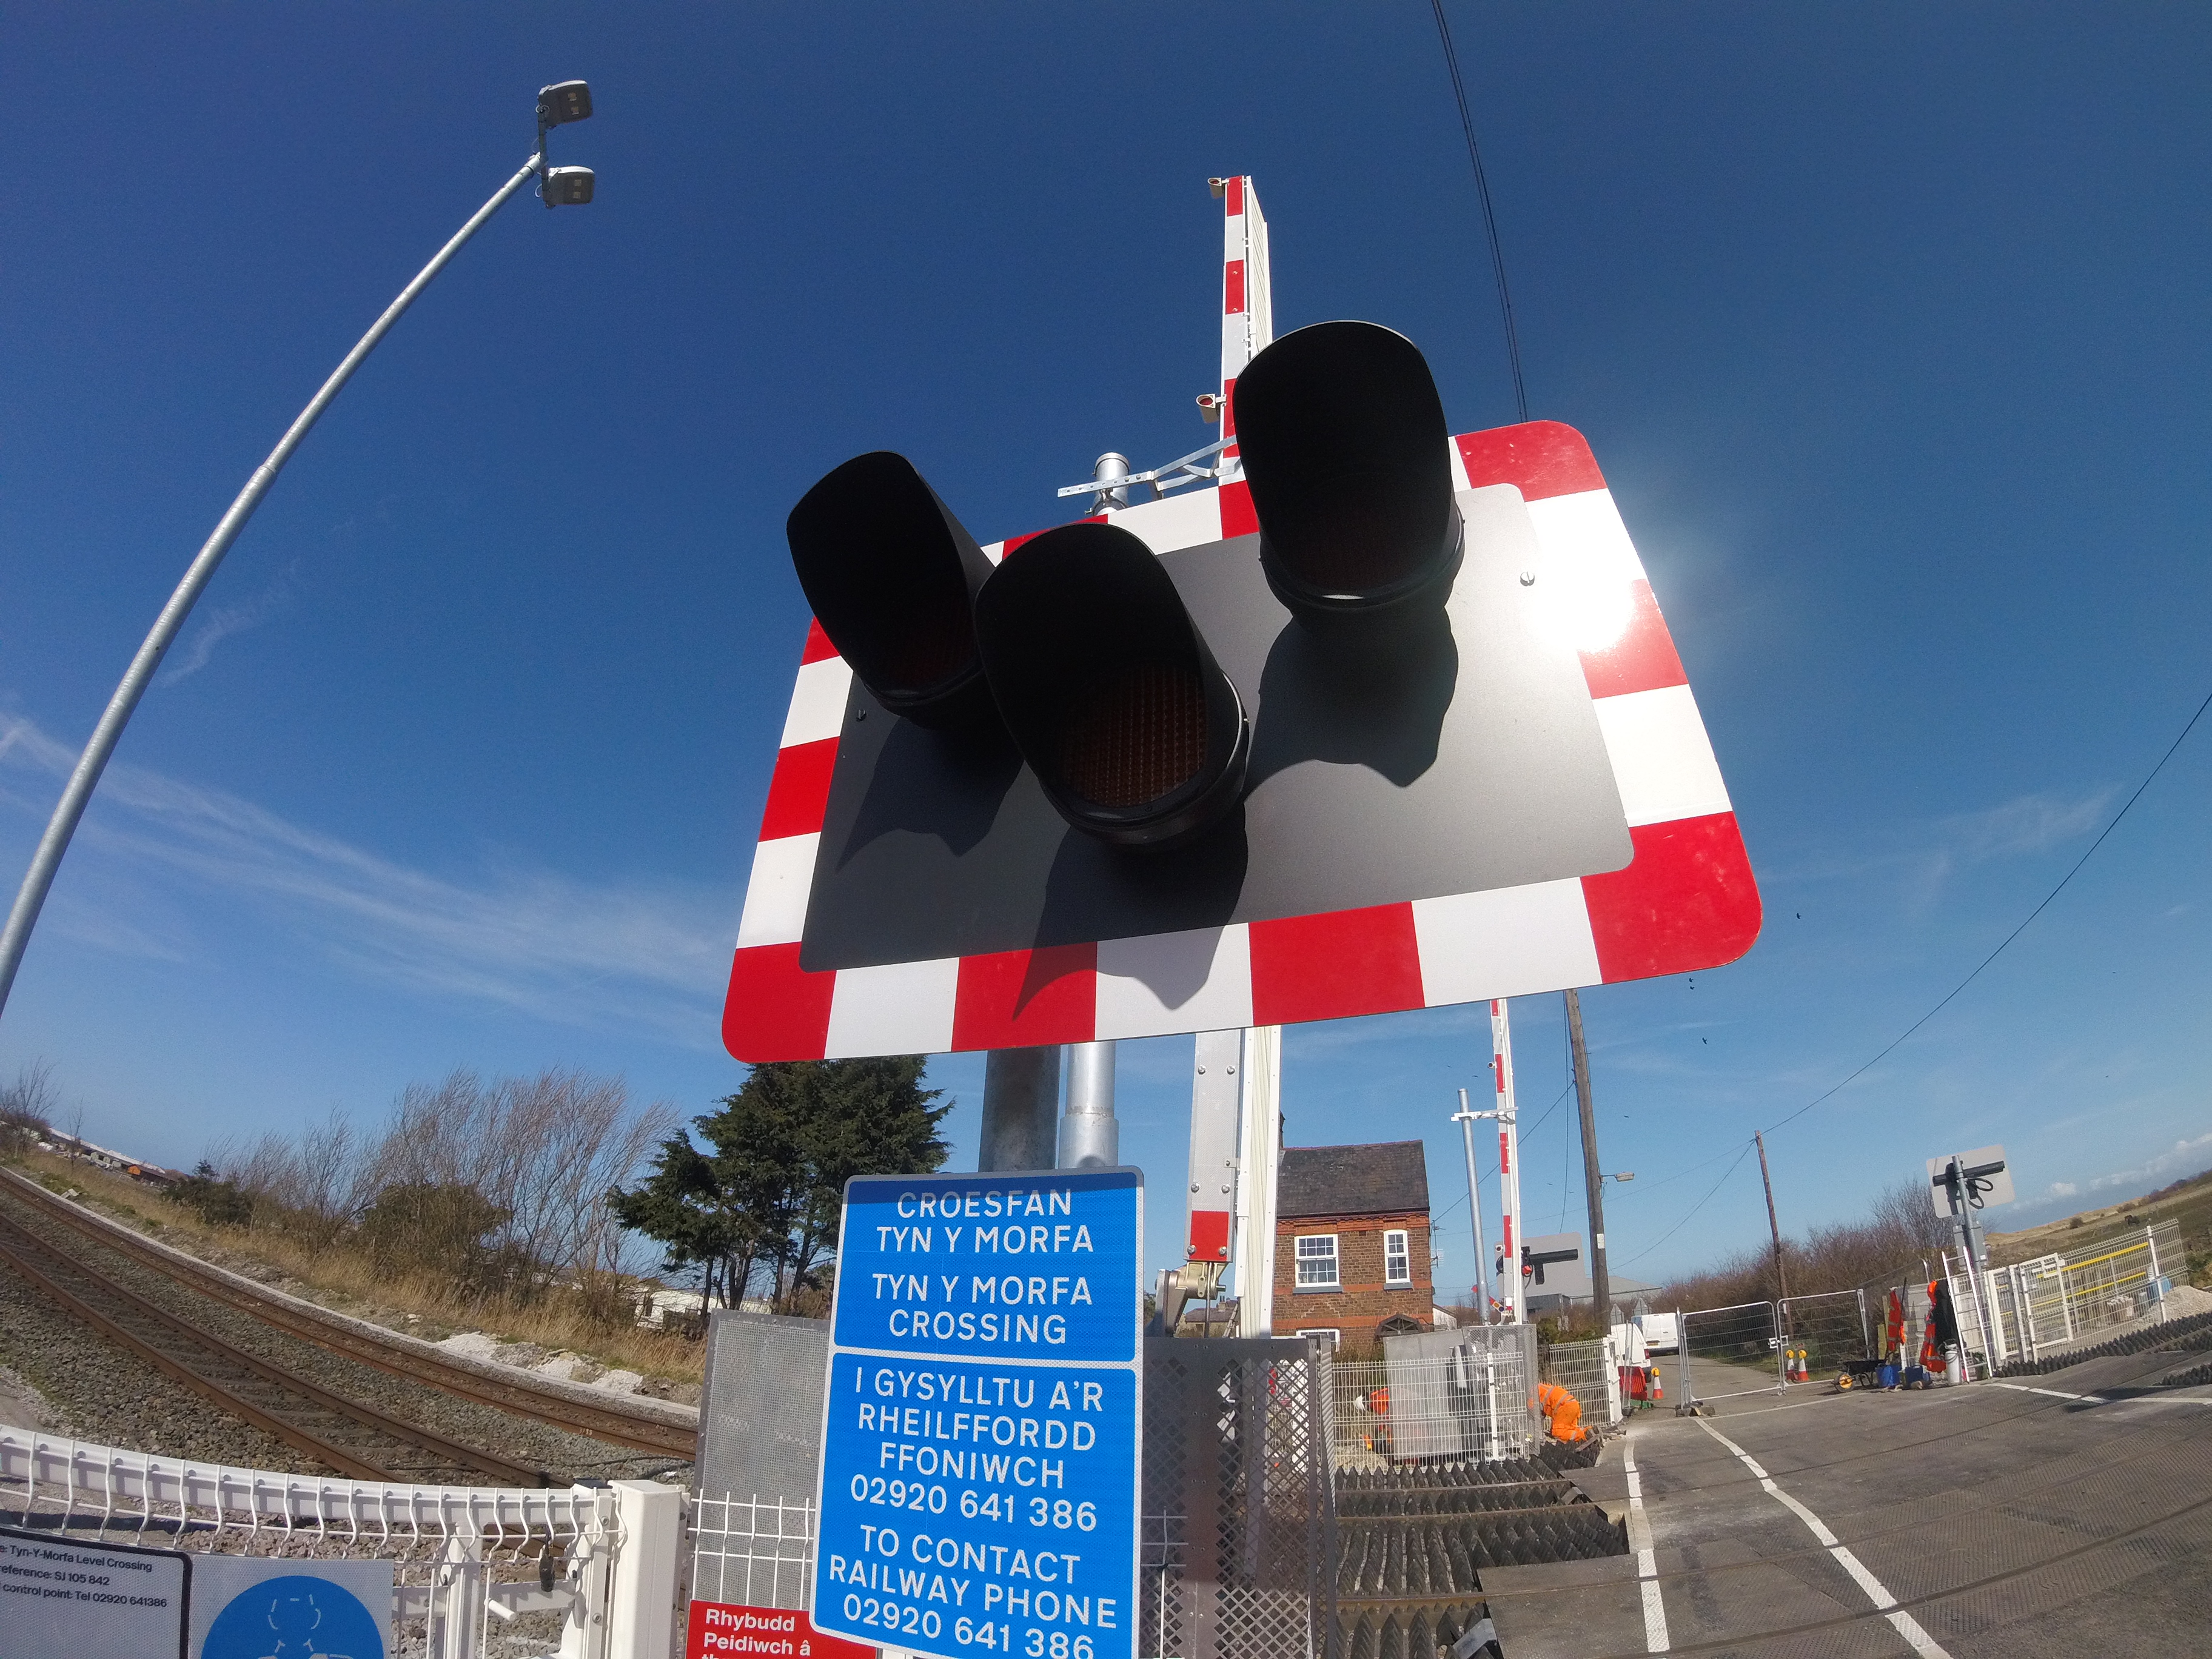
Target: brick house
{"points": [[1352, 1241]]}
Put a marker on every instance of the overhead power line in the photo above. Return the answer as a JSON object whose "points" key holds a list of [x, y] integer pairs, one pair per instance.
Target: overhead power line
{"points": [[1948, 997], [1489, 216], [1694, 1208]]}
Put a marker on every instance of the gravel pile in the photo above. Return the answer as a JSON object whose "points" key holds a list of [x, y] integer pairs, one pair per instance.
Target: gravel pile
{"points": [[563, 1454]]}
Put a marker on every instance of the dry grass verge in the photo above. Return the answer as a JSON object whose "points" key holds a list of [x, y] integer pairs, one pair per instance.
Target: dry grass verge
{"points": [[350, 1282]]}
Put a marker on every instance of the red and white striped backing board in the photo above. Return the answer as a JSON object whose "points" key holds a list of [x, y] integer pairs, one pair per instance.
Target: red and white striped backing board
{"points": [[1686, 901]]}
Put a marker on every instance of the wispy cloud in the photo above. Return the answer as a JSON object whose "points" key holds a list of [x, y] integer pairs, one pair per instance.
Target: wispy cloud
{"points": [[608, 955], [2194, 1152], [2030, 823], [218, 624], [1921, 857]]}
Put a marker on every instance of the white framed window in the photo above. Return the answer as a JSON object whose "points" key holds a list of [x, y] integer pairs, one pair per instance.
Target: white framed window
{"points": [[1316, 1257], [1397, 1257]]}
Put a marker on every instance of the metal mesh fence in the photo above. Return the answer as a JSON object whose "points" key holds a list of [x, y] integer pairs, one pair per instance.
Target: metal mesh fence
{"points": [[1239, 1512], [1728, 1350], [1436, 1396], [752, 1552], [1826, 1330], [1587, 1371], [2033, 1309]]}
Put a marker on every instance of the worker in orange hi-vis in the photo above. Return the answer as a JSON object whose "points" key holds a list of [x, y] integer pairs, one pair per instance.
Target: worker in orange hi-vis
{"points": [[1562, 1412]]}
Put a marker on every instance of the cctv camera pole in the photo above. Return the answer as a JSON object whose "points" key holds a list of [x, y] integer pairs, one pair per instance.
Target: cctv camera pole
{"points": [[47, 861], [1593, 1182]]}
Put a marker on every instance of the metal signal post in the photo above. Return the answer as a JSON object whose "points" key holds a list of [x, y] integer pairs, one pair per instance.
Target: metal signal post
{"points": [[1465, 1117]]}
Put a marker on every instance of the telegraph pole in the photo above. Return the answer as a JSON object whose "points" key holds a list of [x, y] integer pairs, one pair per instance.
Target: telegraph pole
{"points": [[1781, 1279], [1592, 1178]]}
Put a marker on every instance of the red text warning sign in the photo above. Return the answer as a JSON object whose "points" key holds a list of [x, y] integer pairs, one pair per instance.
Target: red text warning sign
{"points": [[719, 1629]]}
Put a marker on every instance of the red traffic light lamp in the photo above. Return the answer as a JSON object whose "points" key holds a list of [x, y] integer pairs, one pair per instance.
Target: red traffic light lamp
{"points": [[1348, 457], [1136, 734]]}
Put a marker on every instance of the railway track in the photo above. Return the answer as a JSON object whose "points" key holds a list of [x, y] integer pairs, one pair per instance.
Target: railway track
{"points": [[610, 1422], [348, 1435]]}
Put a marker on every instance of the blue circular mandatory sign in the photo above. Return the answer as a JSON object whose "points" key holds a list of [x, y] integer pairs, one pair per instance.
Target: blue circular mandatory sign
{"points": [[293, 1617]]}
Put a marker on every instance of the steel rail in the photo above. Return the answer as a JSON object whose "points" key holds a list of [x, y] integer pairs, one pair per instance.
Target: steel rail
{"points": [[610, 1422], [229, 1399]]}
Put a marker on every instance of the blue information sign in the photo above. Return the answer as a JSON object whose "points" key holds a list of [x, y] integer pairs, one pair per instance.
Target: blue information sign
{"points": [[979, 1443]]}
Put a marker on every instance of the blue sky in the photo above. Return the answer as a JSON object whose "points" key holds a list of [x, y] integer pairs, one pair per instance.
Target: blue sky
{"points": [[1887, 324]]}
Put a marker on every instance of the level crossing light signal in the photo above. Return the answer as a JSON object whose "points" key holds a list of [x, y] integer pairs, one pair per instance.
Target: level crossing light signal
{"points": [[1348, 457], [1364, 716]]}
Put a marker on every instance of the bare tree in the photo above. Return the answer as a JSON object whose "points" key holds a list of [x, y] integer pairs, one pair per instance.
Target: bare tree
{"points": [[28, 1104], [546, 1148], [1901, 1229], [515, 1173], [1908, 1212]]}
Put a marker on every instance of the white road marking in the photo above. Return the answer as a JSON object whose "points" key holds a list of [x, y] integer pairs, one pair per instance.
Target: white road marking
{"points": [[1647, 1570], [2107, 1399], [1905, 1624]]}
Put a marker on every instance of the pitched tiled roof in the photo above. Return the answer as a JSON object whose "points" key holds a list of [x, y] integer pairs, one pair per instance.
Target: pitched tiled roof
{"points": [[1391, 1179]]}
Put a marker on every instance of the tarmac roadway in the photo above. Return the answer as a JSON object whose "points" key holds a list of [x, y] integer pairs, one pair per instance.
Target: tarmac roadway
{"points": [[2067, 1514]]}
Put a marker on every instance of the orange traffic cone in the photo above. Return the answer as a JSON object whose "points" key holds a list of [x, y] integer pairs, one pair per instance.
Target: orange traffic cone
{"points": [[1657, 1392]]}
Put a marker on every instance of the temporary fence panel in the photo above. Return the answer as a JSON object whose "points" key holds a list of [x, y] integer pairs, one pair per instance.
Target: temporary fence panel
{"points": [[1825, 1329], [1729, 1350], [1437, 1396], [1589, 1372], [603, 1557]]}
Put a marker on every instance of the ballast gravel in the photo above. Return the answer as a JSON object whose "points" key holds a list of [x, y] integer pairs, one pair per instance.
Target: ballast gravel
{"points": [[103, 1394], [563, 1455]]}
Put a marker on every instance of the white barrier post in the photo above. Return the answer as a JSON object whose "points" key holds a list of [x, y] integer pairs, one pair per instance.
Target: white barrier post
{"points": [[591, 1573], [642, 1593], [2157, 1291], [457, 1605]]}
